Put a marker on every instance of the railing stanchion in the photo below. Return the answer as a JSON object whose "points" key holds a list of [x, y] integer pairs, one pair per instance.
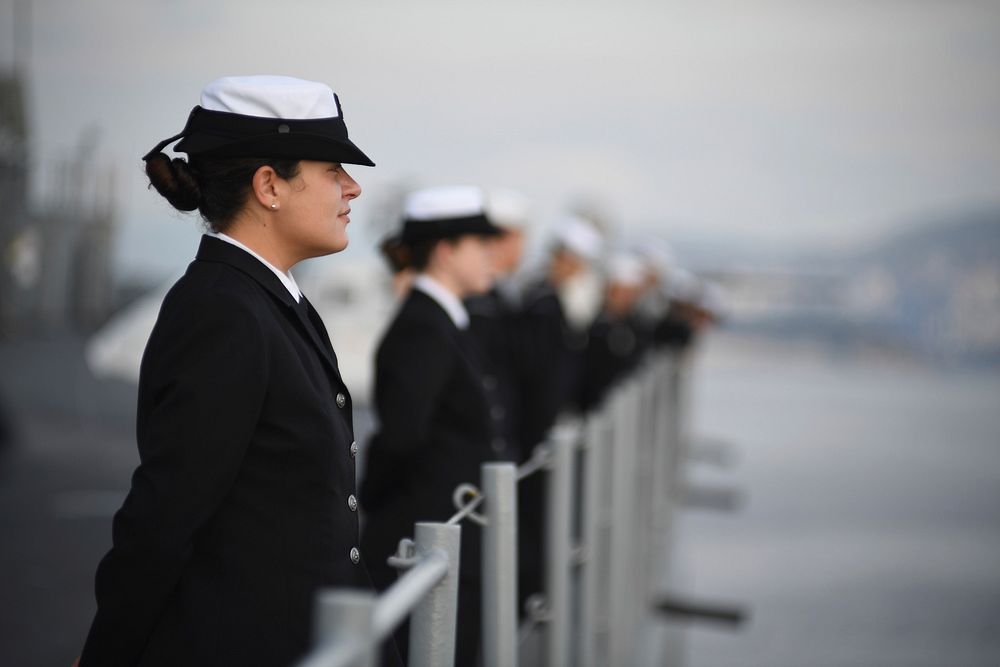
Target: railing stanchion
{"points": [[621, 636], [612, 486], [593, 570], [559, 541], [499, 565], [432, 626]]}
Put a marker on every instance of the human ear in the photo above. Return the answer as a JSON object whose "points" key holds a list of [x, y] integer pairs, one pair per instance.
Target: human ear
{"points": [[265, 187]]}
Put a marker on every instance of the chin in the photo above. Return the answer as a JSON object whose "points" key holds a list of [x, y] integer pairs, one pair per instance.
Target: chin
{"points": [[339, 244], [331, 248]]}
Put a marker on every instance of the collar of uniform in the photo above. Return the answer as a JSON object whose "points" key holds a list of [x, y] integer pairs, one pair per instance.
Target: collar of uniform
{"points": [[286, 278], [444, 298]]}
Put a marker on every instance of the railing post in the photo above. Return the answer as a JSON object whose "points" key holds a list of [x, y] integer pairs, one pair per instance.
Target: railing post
{"points": [[499, 563], [593, 540], [666, 465], [345, 617], [559, 525], [654, 510], [432, 626], [621, 638], [645, 482], [672, 644]]}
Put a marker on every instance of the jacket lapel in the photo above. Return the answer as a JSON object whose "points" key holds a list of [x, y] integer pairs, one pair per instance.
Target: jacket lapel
{"points": [[217, 250], [314, 326], [465, 346]]}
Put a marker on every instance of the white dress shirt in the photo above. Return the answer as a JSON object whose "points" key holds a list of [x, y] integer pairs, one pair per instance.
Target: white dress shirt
{"points": [[286, 278], [444, 297]]}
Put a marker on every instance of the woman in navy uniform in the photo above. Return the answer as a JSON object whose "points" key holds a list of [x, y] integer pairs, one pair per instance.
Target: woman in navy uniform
{"points": [[243, 503], [439, 415], [496, 320]]}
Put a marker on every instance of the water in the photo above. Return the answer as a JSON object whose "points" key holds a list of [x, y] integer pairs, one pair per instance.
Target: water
{"points": [[872, 531]]}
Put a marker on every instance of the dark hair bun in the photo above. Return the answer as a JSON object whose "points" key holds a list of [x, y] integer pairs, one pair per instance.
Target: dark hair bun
{"points": [[175, 180], [395, 253]]}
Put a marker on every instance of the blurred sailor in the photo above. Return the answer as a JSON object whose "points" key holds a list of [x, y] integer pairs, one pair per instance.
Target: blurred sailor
{"points": [[496, 320], [397, 258], [556, 312], [676, 328], [438, 412], [619, 337]]}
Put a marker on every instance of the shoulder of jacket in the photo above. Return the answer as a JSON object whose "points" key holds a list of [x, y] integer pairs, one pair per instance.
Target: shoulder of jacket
{"points": [[215, 289], [417, 328]]}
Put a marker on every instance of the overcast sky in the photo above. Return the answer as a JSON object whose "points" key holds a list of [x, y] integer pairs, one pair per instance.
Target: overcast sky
{"points": [[795, 123]]}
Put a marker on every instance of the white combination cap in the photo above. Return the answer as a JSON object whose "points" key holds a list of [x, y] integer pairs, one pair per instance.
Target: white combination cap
{"points": [[626, 269], [267, 117], [507, 208], [713, 299], [446, 212], [684, 285], [579, 236], [455, 201], [656, 253], [270, 97]]}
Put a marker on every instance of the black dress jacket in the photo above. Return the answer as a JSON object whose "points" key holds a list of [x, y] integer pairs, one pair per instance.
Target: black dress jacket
{"points": [[502, 335], [555, 352], [241, 505], [557, 356], [438, 416], [615, 347]]}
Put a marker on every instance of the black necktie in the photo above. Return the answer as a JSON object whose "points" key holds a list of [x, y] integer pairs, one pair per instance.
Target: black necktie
{"points": [[303, 306]]}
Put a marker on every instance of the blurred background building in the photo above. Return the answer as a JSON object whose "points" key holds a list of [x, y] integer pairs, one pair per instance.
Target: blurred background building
{"points": [[57, 249]]}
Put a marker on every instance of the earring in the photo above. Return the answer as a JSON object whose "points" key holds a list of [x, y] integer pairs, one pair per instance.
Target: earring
{"points": [[274, 206]]}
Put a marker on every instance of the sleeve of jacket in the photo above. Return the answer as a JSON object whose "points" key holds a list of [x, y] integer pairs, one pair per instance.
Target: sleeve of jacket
{"points": [[411, 373], [202, 384], [413, 365], [541, 371]]}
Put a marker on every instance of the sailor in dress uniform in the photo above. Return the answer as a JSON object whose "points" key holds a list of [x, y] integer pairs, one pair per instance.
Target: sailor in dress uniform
{"points": [[438, 413], [498, 324], [619, 337], [556, 347], [244, 503]]}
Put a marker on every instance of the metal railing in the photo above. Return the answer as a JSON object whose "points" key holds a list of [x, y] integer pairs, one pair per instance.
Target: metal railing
{"points": [[613, 484], [350, 625]]}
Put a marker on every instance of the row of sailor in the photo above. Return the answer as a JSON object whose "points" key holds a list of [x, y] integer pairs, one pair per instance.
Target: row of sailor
{"points": [[473, 369], [244, 502]]}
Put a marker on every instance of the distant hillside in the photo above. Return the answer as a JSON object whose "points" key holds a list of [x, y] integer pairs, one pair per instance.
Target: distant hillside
{"points": [[932, 289], [936, 287], [973, 236]]}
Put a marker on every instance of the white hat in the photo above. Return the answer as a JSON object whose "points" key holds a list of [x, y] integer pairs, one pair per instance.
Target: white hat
{"points": [[267, 117], [683, 285], [579, 237], [656, 253], [270, 97], [445, 212], [450, 201], [626, 269], [507, 208], [713, 299]]}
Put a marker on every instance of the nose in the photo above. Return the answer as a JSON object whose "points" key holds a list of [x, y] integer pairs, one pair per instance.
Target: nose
{"points": [[349, 186]]}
